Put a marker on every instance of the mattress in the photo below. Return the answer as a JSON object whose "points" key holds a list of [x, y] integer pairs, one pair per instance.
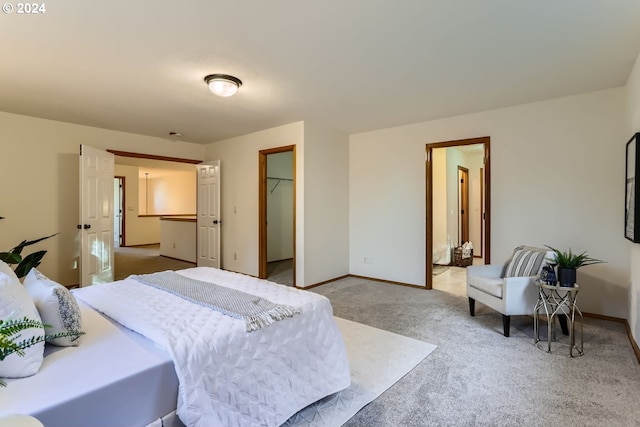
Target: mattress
{"points": [[228, 376], [114, 378]]}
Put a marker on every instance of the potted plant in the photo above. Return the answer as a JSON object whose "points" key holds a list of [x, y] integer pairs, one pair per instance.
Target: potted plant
{"points": [[26, 263], [568, 262], [10, 341]]}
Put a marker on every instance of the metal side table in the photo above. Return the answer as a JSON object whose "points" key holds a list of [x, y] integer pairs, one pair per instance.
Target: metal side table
{"points": [[554, 301]]}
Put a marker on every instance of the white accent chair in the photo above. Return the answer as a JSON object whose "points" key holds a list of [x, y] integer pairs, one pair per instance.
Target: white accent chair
{"points": [[508, 288]]}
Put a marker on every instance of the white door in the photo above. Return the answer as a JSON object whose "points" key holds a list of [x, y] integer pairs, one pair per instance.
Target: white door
{"points": [[96, 216], [208, 221]]}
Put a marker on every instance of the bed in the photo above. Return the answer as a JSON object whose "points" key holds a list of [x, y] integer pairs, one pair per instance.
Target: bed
{"points": [[148, 353]]}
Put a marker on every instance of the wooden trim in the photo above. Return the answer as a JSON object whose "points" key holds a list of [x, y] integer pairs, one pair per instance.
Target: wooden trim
{"points": [[315, 285], [463, 200], [262, 208], [603, 317], [634, 344], [178, 219], [163, 215], [429, 216], [179, 259], [486, 249], [387, 281], [153, 157]]}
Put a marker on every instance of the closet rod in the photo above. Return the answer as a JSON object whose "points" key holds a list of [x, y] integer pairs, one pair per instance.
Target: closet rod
{"points": [[281, 179]]}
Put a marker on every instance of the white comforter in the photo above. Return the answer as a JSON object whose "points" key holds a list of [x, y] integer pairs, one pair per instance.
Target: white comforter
{"points": [[229, 377]]}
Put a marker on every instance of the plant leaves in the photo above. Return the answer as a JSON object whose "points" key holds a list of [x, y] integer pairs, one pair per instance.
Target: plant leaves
{"points": [[18, 249], [10, 258], [29, 262]]}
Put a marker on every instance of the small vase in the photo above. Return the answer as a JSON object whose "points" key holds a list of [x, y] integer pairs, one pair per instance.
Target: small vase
{"points": [[567, 277]]}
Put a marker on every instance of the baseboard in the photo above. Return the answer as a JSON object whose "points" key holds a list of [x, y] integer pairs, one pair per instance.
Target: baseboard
{"points": [[634, 344], [387, 281], [280, 260], [178, 259], [315, 285]]}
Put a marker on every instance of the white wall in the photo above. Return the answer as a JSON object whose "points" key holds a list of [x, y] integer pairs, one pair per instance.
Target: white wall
{"points": [[137, 230], [173, 193], [556, 173], [454, 158], [322, 244], [633, 126], [239, 194], [40, 159], [474, 163], [326, 204], [441, 241], [178, 238]]}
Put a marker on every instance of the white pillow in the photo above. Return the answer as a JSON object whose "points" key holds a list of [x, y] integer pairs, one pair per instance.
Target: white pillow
{"points": [[15, 303], [6, 269], [57, 307]]}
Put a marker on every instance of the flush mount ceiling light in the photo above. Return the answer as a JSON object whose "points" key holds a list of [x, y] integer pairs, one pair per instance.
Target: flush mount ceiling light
{"points": [[223, 84]]}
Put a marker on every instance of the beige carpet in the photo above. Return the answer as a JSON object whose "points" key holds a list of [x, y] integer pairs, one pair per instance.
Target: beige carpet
{"points": [[142, 260]]}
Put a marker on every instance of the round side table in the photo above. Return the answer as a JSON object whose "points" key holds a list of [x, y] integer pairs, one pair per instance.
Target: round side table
{"points": [[554, 301]]}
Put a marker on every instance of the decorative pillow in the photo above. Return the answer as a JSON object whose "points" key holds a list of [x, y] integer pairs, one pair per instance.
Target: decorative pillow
{"points": [[58, 308], [15, 303], [526, 261], [6, 269]]}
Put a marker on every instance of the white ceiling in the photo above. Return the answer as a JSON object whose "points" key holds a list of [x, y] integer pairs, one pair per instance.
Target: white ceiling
{"points": [[351, 65]]}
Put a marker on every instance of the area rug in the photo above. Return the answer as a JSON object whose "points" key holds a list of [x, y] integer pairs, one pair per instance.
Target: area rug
{"points": [[377, 359]]}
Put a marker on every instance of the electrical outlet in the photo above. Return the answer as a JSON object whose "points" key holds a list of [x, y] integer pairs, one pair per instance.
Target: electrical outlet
{"points": [[367, 260], [174, 246], [235, 256]]}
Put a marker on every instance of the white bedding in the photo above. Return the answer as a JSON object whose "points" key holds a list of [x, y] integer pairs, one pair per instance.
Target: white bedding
{"points": [[115, 378], [230, 377]]}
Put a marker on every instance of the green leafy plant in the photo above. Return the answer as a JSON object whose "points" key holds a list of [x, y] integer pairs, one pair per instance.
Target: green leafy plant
{"points": [[10, 337], [24, 264], [570, 260]]}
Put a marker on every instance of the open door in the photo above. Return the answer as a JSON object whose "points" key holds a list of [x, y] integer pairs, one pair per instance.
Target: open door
{"points": [[96, 216], [208, 215]]}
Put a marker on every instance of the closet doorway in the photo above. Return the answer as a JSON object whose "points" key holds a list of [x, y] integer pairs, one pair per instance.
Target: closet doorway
{"points": [[445, 202], [277, 215]]}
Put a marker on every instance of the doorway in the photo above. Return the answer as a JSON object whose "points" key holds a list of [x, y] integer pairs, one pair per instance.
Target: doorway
{"points": [[277, 233], [436, 169], [463, 205], [119, 212]]}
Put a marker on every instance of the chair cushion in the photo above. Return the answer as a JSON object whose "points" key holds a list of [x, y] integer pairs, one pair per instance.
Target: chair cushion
{"points": [[526, 261], [490, 285]]}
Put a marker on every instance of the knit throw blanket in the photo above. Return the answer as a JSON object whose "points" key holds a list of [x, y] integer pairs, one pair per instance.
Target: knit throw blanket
{"points": [[257, 312]]}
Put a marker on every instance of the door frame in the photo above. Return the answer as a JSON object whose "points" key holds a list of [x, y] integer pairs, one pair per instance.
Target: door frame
{"points": [[123, 210], [262, 208], [486, 249]]}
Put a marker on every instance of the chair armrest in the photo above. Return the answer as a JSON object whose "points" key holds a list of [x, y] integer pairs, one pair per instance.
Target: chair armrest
{"points": [[489, 270], [520, 295]]}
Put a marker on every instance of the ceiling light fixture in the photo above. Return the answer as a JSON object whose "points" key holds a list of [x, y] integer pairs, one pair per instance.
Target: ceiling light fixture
{"points": [[223, 84]]}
